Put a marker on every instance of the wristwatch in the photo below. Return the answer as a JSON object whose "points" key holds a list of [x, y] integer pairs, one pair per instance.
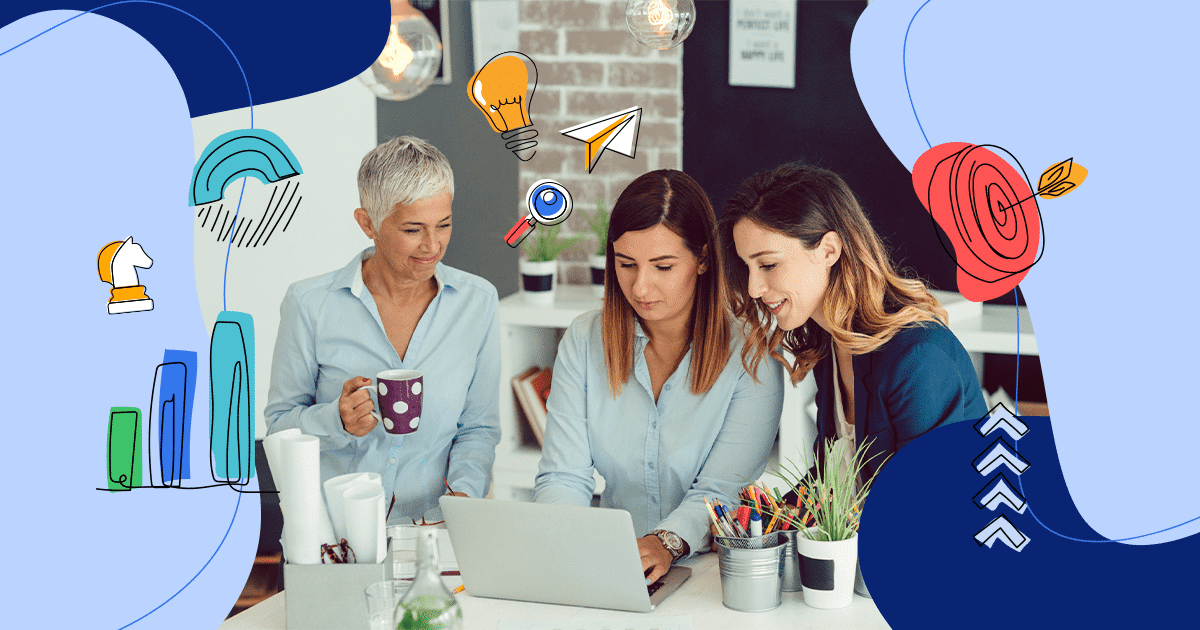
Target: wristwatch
{"points": [[671, 542]]}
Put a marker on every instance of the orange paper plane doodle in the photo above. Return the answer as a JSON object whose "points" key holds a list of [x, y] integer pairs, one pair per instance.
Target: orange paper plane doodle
{"points": [[615, 132]]}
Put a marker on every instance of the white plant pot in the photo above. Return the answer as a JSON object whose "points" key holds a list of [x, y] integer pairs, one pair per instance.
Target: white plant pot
{"points": [[538, 280], [598, 263], [827, 570]]}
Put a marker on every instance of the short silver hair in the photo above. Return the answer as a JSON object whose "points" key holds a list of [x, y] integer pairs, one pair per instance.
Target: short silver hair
{"points": [[401, 171]]}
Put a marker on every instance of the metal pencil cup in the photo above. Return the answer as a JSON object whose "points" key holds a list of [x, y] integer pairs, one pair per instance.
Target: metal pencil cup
{"points": [[751, 572], [791, 562]]}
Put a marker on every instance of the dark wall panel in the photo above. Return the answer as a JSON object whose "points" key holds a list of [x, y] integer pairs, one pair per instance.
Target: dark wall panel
{"points": [[485, 174], [730, 133]]}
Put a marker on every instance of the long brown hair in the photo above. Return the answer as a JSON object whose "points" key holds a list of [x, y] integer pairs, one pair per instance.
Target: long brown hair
{"points": [[673, 199], [867, 301]]}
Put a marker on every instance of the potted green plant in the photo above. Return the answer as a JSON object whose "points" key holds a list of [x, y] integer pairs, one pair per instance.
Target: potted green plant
{"points": [[539, 268], [598, 221], [833, 501]]}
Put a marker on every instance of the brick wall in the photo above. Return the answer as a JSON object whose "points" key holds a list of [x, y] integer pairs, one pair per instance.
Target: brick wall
{"points": [[588, 66]]}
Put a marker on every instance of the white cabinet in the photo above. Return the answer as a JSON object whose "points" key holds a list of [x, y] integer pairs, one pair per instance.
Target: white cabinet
{"points": [[529, 335]]}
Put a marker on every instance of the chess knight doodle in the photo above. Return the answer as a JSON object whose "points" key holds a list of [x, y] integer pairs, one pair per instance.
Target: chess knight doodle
{"points": [[117, 264]]}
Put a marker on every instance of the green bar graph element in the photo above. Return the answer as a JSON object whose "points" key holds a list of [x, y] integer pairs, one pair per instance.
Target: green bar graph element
{"points": [[124, 448]]}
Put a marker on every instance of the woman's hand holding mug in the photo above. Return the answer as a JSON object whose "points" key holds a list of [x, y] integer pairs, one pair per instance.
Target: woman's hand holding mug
{"points": [[355, 407], [399, 394]]}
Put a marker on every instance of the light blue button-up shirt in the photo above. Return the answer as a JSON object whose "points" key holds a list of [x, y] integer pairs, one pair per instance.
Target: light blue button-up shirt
{"points": [[330, 331], [658, 459]]}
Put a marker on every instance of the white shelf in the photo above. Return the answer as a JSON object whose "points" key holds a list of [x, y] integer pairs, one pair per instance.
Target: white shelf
{"points": [[987, 328], [529, 335], [994, 331], [571, 301]]}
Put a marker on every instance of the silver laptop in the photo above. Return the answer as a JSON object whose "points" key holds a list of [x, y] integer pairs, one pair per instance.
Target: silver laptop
{"points": [[553, 554]]}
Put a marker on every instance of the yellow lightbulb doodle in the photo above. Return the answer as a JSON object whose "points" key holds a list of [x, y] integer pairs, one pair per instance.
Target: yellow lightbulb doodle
{"points": [[396, 54], [499, 90], [659, 13], [502, 89]]}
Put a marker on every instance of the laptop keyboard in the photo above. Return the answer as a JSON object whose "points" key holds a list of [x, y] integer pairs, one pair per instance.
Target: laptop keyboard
{"points": [[653, 588]]}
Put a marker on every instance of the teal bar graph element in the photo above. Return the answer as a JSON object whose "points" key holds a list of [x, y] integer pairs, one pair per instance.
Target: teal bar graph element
{"points": [[231, 396], [124, 448]]}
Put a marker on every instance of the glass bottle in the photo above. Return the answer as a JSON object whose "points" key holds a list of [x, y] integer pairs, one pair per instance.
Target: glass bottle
{"points": [[428, 604]]}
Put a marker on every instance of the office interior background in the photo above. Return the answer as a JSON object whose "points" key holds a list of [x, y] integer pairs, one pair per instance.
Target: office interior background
{"points": [[588, 66]]}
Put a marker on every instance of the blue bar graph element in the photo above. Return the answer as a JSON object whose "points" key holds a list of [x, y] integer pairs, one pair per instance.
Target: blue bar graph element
{"points": [[231, 396], [167, 425], [188, 359]]}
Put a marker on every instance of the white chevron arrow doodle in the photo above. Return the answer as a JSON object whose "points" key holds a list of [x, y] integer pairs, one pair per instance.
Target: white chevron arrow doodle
{"points": [[996, 455], [1002, 529], [1001, 418], [997, 492]]}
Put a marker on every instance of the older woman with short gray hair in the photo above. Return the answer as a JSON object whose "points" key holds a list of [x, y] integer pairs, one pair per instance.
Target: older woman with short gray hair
{"points": [[395, 306]]}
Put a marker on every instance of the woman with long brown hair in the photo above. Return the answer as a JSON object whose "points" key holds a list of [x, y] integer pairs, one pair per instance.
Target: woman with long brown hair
{"points": [[807, 274], [648, 391]]}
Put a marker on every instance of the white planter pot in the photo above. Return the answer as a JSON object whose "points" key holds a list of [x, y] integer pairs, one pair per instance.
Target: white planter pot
{"points": [[598, 263], [827, 570], [538, 280]]}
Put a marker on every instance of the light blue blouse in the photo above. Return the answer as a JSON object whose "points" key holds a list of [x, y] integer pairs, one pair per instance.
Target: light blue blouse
{"points": [[657, 460], [330, 331]]}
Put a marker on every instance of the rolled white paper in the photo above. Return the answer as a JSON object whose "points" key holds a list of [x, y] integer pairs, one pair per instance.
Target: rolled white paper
{"points": [[271, 447], [306, 524], [364, 523], [335, 490]]}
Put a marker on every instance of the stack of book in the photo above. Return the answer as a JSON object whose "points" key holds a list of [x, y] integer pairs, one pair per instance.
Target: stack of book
{"points": [[532, 388]]}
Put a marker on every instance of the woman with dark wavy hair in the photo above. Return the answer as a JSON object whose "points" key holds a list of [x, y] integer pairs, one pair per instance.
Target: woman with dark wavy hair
{"points": [[647, 391], [807, 274]]}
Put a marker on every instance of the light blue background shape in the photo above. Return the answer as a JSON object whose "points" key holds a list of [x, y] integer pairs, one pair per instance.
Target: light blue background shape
{"points": [[97, 146], [1112, 300]]}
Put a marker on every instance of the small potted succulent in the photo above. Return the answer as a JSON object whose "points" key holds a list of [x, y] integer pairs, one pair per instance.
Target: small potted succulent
{"points": [[828, 547], [598, 221], [539, 268]]}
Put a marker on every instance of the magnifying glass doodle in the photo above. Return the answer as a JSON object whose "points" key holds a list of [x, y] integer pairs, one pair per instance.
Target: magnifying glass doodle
{"points": [[548, 202]]}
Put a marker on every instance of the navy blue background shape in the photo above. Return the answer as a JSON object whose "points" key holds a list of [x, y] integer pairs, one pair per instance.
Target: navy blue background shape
{"points": [[287, 49], [925, 570]]}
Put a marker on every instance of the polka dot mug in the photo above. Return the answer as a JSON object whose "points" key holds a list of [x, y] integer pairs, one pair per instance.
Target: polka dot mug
{"points": [[398, 399]]}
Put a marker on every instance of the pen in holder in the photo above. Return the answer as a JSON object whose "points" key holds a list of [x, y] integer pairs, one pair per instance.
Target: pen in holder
{"points": [[751, 572]]}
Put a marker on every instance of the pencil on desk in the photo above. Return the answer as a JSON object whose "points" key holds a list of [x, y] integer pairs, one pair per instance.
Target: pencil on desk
{"points": [[459, 589]]}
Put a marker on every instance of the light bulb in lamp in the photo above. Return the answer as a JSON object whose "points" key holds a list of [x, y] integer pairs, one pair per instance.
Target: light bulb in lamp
{"points": [[660, 24], [410, 58], [502, 89]]}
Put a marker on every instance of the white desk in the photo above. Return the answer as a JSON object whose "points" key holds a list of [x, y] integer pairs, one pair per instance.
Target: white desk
{"points": [[699, 597]]}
